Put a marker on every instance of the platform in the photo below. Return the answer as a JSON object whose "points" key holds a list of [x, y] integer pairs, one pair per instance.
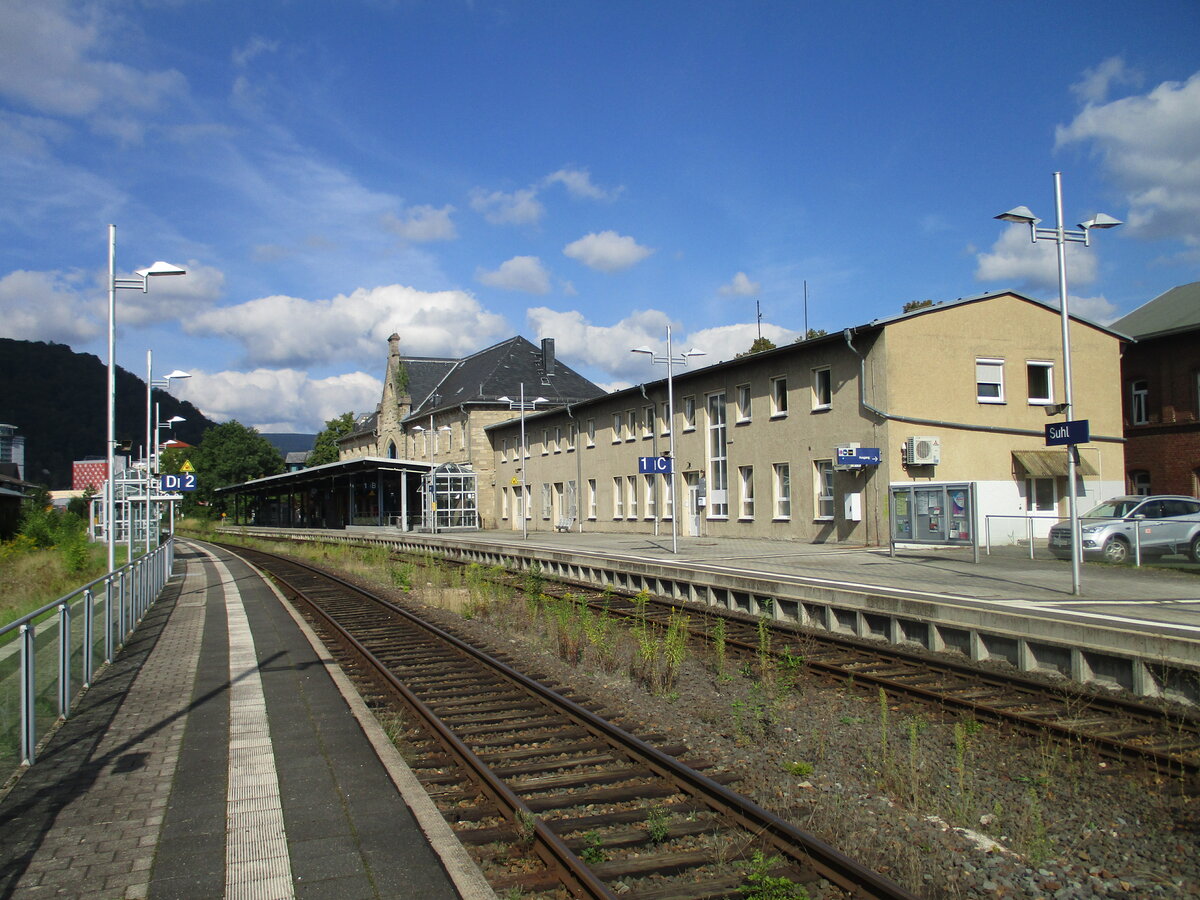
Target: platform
{"points": [[223, 754]]}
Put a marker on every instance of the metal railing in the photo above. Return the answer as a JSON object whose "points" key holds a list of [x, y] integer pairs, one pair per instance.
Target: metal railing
{"points": [[49, 656], [1134, 538]]}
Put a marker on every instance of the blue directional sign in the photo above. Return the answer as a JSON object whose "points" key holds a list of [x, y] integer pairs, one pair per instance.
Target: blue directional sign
{"points": [[654, 465], [1065, 433], [858, 456], [184, 481]]}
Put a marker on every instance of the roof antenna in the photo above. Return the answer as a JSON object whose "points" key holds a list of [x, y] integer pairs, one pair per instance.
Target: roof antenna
{"points": [[758, 310]]}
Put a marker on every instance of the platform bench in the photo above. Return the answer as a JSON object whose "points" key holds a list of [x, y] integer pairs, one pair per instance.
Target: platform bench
{"points": [[565, 523]]}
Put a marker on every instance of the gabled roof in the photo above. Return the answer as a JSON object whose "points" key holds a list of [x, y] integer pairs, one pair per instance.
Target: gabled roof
{"points": [[1175, 311], [499, 371]]}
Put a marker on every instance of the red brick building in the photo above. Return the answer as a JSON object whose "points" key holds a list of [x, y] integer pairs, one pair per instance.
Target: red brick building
{"points": [[88, 473], [1160, 377]]}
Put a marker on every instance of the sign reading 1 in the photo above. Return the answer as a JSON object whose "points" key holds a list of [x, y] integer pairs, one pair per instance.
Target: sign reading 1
{"points": [[654, 465]]}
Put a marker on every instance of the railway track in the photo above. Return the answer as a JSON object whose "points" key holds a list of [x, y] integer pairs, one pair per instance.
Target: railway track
{"points": [[508, 760]]}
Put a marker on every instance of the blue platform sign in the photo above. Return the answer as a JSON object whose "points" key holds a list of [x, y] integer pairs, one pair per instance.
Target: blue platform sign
{"points": [[184, 481], [1061, 434], [858, 456], [654, 465]]}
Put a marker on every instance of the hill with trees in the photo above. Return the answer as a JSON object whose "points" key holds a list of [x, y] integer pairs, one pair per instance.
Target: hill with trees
{"points": [[57, 399]]}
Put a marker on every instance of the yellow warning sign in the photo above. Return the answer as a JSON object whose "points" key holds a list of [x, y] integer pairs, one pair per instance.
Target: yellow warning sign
{"points": [[187, 466], [516, 481]]}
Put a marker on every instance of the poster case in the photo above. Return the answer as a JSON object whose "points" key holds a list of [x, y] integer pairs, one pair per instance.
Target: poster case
{"points": [[933, 514]]}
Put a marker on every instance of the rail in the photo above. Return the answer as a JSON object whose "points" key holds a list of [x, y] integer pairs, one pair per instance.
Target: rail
{"points": [[47, 659]]}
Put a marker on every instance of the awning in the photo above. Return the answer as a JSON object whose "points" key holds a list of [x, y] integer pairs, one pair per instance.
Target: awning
{"points": [[1050, 463]]}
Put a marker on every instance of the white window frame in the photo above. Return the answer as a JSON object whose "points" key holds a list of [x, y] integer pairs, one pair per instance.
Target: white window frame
{"points": [[781, 485], [746, 495], [618, 497], [1033, 495], [591, 432], [718, 455], [631, 425], [822, 388], [545, 442], [1047, 369], [779, 397], [989, 371], [743, 403], [593, 500], [668, 499], [547, 500], [651, 504], [572, 436], [689, 413], [1139, 402], [648, 421], [618, 419], [631, 501], [823, 496], [665, 413]]}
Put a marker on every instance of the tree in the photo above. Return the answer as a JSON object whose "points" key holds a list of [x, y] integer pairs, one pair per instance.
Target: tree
{"points": [[230, 453], [812, 333], [325, 447], [913, 305], [760, 344]]}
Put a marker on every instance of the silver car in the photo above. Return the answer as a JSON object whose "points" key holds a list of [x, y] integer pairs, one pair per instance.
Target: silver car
{"points": [[1160, 524]]}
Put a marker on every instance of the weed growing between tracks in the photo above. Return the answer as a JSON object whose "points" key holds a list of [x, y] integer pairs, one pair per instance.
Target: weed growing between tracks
{"points": [[944, 805]]}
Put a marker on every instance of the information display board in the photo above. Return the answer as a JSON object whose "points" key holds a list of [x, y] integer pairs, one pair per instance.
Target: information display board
{"points": [[933, 514]]}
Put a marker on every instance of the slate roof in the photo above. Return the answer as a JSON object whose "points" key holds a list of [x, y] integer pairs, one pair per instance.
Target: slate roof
{"points": [[498, 371], [1175, 311]]}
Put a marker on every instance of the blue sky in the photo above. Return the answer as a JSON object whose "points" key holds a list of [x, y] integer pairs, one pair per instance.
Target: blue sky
{"points": [[459, 172]]}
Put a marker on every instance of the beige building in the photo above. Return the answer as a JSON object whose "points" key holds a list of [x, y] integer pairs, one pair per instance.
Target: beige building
{"points": [[435, 410], [954, 397]]}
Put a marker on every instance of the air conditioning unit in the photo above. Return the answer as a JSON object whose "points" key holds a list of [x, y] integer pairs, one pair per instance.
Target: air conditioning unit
{"points": [[923, 451]]}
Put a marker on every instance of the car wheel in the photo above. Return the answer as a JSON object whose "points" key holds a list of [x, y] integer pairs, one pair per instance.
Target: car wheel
{"points": [[1116, 550], [1194, 549]]}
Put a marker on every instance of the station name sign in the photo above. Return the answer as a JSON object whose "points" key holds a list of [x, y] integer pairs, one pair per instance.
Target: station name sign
{"points": [[654, 465], [1061, 434]]}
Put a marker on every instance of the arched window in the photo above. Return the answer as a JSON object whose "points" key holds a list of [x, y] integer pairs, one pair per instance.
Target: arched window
{"points": [[1139, 483], [391, 450]]}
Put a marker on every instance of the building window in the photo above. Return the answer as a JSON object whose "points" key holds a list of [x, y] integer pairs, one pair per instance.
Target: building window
{"points": [[823, 488], [669, 498], [527, 501], [666, 418], [1139, 483], [822, 389], [558, 439], [647, 421], [1139, 402], [632, 500], [783, 490], [592, 499], [989, 380], [743, 403], [572, 436], [651, 498], [689, 413], [1039, 376], [746, 480], [591, 433], [545, 441], [718, 461], [616, 419], [618, 497], [504, 500], [1039, 495], [547, 500], [631, 425], [779, 397]]}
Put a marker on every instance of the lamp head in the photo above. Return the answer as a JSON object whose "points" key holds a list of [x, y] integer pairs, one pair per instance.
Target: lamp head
{"points": [[1022, 215], [539, 400], [161, 268], [178, 373], [641, 350], [175, 419], [504, 399], [1101, 220], [695, 352]]}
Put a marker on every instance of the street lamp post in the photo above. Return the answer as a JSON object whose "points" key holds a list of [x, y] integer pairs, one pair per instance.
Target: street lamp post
{"points": [[671, 361], [142, 283], [522, 406], [152, 432], [1062, 236], [158, 426]]}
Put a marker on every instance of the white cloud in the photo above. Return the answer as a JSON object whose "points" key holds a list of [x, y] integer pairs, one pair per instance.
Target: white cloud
{"points": [[727, 341], [1096, 83], [171, 298], [46, 62], [1024, 264], [521, 273], [421, 224], [1150, 145], [578, 183], [607, 251], [1098, 309], [290, 331], [46, 306], [740, 286], [518, 208], [256, 46], [279, 399]]}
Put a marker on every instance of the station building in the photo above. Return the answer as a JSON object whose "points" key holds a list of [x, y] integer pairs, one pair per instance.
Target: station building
{"points": [[954, 397]]}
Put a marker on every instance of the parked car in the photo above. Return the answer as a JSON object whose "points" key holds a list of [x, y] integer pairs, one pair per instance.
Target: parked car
{"points": [[1161, 524]]}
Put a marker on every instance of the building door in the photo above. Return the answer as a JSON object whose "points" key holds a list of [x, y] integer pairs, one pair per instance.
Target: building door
{"points": [[691, 519]]}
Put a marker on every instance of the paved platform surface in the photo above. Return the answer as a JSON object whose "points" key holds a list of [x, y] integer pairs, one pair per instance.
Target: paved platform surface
{"points": [[220, 756], [1147, 597]]}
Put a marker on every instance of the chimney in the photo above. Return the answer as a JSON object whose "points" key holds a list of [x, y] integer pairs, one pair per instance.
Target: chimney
{"points": [[547, 356]]}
